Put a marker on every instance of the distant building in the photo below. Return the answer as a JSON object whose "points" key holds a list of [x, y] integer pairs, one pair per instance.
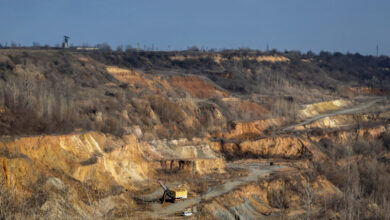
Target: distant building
{"points": [[65, 44], [87, 48]]}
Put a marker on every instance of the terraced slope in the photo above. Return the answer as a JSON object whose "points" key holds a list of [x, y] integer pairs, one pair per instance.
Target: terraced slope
{"points": [[250, 134]]}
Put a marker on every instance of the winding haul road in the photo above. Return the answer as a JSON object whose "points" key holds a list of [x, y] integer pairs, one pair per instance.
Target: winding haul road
{"points": [[256, 170], [340, 112]]}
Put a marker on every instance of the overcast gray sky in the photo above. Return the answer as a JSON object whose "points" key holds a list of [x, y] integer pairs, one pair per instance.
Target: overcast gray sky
{"points": [[342, 25]]}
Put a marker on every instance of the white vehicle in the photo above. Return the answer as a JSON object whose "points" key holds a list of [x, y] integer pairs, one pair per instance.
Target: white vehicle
{"points": [[187, 213]]}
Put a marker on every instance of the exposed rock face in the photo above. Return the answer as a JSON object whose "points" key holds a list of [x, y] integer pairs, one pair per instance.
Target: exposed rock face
{"points": [[84, 165], [95, 157], [270, 147], [287, 147], [333, 122], [196, 166], [186, 118], [18, 173], [281, 197], [90, 171], [99, 161], [130, 76], [242, 130], [194, 155], [367, 91], [218, 58], [198, 87], [311, 110], [358, 134]]}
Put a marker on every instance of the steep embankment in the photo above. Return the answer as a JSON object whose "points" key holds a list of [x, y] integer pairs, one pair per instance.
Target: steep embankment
{"points": [[350, 110], [267, 147], [195, 156], [101, 159], [256, 171], [255, 139], [274, 198], [96, 169], [177, 117], [88, 166], [198, 87]]}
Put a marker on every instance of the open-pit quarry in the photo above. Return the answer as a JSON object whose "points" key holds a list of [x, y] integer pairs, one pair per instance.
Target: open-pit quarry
{"points": [[96, 174], [92, 134]]}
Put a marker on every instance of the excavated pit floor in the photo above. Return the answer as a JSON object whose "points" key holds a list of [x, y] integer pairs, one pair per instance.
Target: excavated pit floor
{"points": [[257, 170]]}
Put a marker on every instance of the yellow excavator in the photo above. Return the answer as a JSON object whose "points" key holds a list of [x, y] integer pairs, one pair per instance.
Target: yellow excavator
{"points": [[173, 193]]}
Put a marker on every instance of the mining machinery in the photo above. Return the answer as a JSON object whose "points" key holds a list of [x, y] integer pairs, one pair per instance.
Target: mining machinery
{"points": [[173, 193]]}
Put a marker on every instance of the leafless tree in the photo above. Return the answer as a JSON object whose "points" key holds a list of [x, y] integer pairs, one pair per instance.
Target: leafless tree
{"points": [[309, 197], [279, 199]]}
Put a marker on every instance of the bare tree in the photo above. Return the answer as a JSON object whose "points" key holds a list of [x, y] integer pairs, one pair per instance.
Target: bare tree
{"points": [[309, 198], [352, 187], [279, 199]]}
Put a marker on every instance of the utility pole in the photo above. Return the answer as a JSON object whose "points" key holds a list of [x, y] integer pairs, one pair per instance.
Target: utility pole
{"points": [[377, 50]]}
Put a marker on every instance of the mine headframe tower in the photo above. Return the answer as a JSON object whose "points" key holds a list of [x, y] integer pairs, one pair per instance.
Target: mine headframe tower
{"points": [[65, 44]]}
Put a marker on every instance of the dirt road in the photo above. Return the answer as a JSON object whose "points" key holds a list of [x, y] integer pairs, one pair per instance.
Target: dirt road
{"points": [[340, 112], [257, 170]]}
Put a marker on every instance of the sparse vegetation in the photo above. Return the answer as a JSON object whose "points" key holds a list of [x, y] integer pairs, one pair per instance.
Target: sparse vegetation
{"points": [[197, 94], [58, 92]]}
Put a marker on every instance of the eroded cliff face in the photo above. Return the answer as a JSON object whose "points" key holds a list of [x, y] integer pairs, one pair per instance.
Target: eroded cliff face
{"points": [[93, 171], [287, 147], [243, 130], [311, 110], [342, 137], [268, 147], [95, 174], [70, 172], [218, 58], [95, 157], [274, 198], [129, 120], [18, 173]]}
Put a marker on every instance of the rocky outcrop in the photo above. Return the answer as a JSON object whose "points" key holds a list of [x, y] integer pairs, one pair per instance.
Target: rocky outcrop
{"points": [[196, 166], [93, 157], [280, 197], [194, 155], [243, 130], [88, 174], [353, 135], [283, 147], [198, 87], [69, 175], [269, 147], [315, 109], [367, 91], [219, 59]]}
